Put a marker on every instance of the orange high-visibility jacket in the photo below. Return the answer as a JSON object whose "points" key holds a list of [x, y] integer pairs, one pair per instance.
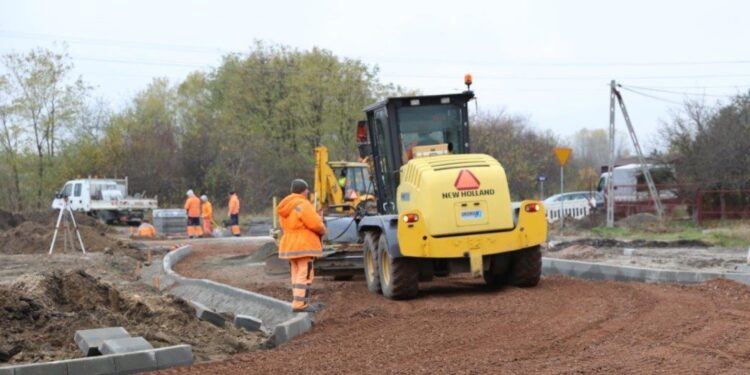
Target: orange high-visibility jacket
{"points": [[146, 230], [208, 211], [302, 228], [193, 207], [234, 205]]}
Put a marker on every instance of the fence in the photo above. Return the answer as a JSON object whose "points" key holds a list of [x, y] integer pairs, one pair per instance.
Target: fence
{"points": [[576, 209], [683, 201]]}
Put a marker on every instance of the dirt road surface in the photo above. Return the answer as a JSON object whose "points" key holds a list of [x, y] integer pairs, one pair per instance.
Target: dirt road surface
{"points": [[458, 327]]}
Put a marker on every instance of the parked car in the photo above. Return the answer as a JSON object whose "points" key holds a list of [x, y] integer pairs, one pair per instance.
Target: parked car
{"points": [[598, 198]]}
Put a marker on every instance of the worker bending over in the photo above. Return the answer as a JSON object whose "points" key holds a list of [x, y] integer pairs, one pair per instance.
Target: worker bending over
{"points": [[193, 209], [300, 243], [234, 213], [207, 213], [146, 230]]}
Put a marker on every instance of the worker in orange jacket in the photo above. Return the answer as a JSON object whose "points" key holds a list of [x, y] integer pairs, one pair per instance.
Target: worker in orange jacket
{"points": [[207, 214], [300, 243], [146, 230], [193, 209], [234, 213]]}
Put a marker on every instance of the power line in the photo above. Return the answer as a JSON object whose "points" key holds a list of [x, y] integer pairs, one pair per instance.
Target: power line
{"points": [[651, 96], [213, 50], [678, 92]]}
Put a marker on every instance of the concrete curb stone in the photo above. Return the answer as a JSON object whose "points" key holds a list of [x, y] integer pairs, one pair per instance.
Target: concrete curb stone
{"points": [[89, 340], [102, 365], [208, 315], [247, 322], [174, 356], [46, 368], [600, 271], [125, 345], [135, 362], [221, 297]]}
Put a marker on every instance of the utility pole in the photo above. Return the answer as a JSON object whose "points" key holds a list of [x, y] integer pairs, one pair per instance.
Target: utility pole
{"points": [[644, 169], [611, 165]]}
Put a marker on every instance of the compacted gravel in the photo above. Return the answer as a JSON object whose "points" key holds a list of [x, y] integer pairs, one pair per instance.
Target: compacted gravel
{"points": [[457, 326]]}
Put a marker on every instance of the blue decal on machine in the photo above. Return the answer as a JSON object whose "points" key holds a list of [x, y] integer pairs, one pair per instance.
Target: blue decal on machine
{"points": [[472, 215], [405, 197]]}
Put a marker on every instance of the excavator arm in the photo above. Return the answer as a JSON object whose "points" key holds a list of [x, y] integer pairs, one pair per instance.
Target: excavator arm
{"points": [[327, 191]]}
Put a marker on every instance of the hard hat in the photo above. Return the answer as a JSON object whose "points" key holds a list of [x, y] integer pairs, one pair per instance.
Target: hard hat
{"points": [[204, 198], [190, 193]]}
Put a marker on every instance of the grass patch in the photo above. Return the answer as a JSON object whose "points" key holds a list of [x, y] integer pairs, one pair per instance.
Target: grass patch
{"points": [[724, 234]]}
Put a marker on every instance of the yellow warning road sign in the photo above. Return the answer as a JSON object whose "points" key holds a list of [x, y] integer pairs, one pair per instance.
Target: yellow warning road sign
{"points": [[563, 153]]}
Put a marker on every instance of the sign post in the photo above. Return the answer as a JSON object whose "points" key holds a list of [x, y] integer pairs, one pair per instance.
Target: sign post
{"points": [[562, 154], [541, 180]]}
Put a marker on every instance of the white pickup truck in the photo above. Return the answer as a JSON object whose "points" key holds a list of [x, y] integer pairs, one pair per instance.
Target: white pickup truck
{"points": [[104, 198]]}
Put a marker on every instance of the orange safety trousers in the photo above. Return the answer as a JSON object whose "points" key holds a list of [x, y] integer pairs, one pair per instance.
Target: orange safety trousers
{"points": [[194, 227], [302, 277], [208, 229]]}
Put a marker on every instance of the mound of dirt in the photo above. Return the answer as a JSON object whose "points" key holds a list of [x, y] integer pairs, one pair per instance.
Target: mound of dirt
{"points": [[579, 252], [31, 233], [9, 220], [42, 312]]}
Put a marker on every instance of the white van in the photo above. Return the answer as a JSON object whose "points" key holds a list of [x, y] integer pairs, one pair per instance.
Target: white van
{"points": [[627, 181]]}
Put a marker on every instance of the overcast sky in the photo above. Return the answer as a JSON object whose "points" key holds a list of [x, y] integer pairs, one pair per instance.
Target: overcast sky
{"points": [[549, 60]]}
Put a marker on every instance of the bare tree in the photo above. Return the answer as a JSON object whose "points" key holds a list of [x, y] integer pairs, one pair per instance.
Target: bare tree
{"points": [[9, 139], [46, 99]]}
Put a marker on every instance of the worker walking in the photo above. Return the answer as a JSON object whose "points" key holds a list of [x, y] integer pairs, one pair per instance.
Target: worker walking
{"points": [[300, 243], [207, 213], [193, 209], [234, 213]]}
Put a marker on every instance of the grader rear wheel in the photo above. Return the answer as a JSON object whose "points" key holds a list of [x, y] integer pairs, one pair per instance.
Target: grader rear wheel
{"points": [[526, 269]]}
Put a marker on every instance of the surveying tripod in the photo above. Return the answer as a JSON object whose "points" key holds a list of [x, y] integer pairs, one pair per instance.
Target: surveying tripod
{"points": [[67, 214]]}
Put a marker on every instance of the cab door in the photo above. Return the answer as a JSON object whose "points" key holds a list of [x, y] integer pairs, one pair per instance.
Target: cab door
{"points": [[76, 200]]}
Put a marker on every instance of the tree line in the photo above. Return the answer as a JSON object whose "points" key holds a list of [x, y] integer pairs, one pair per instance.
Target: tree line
{"points": [[248, 125]]}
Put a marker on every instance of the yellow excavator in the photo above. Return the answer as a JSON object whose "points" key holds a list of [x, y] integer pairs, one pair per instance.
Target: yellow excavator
{"points": [[341, 187]]}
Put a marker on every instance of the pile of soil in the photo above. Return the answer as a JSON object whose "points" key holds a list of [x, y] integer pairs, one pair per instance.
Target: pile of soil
{"points": [[41, 312], [9, 220], [576, 252], [32, 233]]}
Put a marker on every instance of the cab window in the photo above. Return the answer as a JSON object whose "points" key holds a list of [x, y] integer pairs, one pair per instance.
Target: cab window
{"points": [[67, 190], [77, 190], [429, 125]]}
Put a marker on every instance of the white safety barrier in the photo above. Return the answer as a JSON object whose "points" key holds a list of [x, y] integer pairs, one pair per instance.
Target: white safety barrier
{"points": [[576, 209]]}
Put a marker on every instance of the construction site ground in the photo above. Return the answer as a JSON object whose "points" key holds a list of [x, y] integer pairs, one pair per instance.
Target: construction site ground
{"points": [[456, 325], [45, 299]]}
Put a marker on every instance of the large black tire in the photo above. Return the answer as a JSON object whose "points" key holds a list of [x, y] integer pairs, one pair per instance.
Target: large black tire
{"points": [[370, 259], [497, 275], [526, 269], [399, 277]]}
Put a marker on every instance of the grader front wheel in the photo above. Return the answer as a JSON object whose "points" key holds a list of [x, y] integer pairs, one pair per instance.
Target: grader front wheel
{"points": [[399, 277]]}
